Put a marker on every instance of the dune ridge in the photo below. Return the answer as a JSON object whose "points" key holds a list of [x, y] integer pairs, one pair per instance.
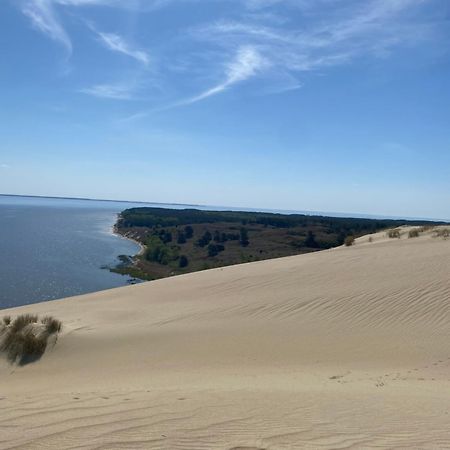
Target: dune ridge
{"points": [[344, 348]]}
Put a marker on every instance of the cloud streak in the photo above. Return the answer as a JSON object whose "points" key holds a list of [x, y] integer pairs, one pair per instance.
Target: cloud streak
{"points": [[308, 36], [45, 19], [117, 43], [111, 91], [247, 63]]}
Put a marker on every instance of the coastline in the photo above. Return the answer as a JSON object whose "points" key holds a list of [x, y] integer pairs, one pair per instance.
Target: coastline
{"points": [[116, 232], [128, 265]]}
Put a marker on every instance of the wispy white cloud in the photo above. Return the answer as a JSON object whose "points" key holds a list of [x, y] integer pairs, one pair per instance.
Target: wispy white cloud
{"points": [[336, 39], [5, 166], [266, 39], [247, 63], [117, 43], [123, 91], [282, 52], [44, 17]]}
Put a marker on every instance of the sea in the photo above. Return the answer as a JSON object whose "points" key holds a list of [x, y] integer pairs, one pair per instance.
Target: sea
{"points": [[53, 248]]}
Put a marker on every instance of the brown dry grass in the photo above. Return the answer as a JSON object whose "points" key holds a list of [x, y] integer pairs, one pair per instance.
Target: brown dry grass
{"points": [[25, 339]]}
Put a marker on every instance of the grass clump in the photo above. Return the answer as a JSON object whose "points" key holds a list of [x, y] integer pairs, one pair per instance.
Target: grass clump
{"points": [[394, 234], [349, 241], [442, 232], [25, 339], [6, 320], [22, 321], [413, 233], [52, 325]]}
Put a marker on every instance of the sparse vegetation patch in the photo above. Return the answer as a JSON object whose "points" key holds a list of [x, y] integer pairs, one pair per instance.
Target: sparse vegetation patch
{"points": [[442, 232], [25, 339], [349, 241], [394, 234]]}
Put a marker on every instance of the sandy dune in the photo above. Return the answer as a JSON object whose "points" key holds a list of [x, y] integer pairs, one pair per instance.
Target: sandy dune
{"points": [[346, 348]]}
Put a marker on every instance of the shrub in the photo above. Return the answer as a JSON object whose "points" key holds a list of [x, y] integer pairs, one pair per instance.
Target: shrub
{"points": [[413, 233], [394, 234], [349, 241], [25, 340]]}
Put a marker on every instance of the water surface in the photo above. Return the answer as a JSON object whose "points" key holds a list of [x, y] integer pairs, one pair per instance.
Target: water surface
{"points": [[54, 248]]}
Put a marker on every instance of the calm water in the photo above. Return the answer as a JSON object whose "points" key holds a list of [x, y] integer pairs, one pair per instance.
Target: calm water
{"points": [[53, 248]]}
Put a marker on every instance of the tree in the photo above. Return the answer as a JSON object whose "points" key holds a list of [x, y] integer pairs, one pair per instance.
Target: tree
{"points": [[189, 231], [181, 239], [212, 250], [217, 236], [310, 240], [183, 261], [215, 249], [157, 251], [205, 239], [166, 237], [244, 238]]}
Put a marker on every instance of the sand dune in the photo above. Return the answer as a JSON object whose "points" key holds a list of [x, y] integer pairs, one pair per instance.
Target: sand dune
{"points": [[346, 348]]}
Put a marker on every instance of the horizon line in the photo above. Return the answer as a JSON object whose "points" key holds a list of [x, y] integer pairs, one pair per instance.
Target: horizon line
{"points": [[244, 209]]}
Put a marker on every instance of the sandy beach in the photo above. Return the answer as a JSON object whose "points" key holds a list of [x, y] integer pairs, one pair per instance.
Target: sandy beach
{"points": [[344, 348]]}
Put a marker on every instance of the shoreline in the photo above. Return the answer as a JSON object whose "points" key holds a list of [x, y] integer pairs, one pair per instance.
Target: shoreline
{"points": [[114, 230], [128, 264]]}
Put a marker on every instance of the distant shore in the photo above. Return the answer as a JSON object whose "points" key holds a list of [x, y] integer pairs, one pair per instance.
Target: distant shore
{"points": [[179, 241]]}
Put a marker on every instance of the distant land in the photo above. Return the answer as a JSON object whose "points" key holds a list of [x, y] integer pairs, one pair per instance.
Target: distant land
{"points": [[240, 208], [177, 241]]}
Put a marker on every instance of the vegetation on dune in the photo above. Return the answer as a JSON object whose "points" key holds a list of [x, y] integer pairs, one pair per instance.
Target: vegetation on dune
{"points": [[442, 232], [25, 339], [186, 240], [349, 241]]}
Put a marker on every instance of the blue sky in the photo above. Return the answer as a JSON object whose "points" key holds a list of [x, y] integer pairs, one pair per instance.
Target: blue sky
{"points": [[321, 105]]}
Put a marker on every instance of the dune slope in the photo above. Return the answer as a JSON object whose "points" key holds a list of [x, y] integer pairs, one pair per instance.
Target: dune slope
{"points": [[346, 348]]}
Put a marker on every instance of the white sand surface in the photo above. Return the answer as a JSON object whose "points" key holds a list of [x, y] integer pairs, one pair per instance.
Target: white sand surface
{"points": [[345, 348]]}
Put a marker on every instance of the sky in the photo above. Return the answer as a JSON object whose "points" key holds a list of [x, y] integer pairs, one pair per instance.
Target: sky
{"points": [[311, 105]]}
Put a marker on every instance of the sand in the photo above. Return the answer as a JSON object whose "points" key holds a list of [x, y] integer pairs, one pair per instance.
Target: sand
{"points": [[345, 348]]}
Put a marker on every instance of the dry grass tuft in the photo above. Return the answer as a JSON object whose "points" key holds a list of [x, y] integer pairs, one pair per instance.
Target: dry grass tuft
{"points": [[52, 325], [394, 233], [6, 320], [442, 232], [349, 241], [22, 321], [25, 340], [413, 233]]}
